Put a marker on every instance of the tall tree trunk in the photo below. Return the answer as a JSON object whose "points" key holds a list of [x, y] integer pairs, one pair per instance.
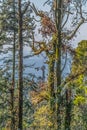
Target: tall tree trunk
{"points": [[58, 16], [20, 82], [51, 81], [13, 75], [68, 109], [51, 89]]}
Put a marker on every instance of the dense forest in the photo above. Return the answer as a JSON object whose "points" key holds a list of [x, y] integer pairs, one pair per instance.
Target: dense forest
{"points": [[47, 94]]}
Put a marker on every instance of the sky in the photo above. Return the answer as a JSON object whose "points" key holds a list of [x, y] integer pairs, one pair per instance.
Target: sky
{"points": [[81, 35], [39, 4]]}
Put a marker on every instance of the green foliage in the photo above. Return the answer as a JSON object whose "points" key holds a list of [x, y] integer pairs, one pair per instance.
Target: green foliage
{"points": [[80, 87], [42, 118], [79, 100]]}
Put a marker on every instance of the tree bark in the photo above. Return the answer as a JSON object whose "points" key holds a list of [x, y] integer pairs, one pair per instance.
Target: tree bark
{"points": [[51, 88], [68, 110], [13, 75], [20, 80], [51, 81], [58, 18]]}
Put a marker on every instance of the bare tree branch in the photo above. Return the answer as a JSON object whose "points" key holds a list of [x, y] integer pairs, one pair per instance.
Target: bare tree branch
{"points": [[74, 32], [26, 7]]}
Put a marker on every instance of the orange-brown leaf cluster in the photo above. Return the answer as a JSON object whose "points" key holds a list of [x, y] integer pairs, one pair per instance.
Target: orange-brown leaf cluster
{"points": [[48, 26]]}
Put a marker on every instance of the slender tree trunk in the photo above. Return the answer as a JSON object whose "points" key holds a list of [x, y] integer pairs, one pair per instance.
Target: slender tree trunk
{"points": [[20, 82], [51, 82], [68, 110], [58, 17], [13, 75], [12, 90], [51, 89]]}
